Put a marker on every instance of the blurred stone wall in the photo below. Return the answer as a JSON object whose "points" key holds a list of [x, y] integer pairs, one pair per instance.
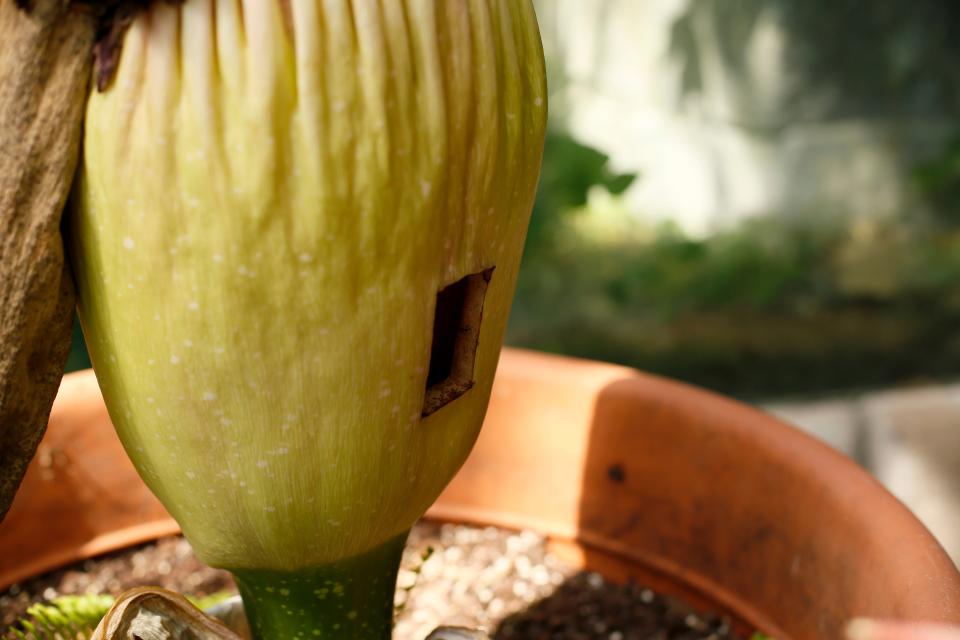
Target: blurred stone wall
{"points": [[734, 108]]}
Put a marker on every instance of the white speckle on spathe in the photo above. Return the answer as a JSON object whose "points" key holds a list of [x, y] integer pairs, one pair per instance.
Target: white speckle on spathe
{"points": [[113, 358], [188, 344], [226, 422], [269, 509], [538, 101], [290, 417], [209, 396], [151, 362], [426, 187], [385, 392], [242, 270], [262, 464], [219, 350], [339, 106], [193, 306], [174, 359], [128, 243], [286, 427], [191, 475], [217, 257], [305, 257], [150, 400], [395, 410], [333, 523]]}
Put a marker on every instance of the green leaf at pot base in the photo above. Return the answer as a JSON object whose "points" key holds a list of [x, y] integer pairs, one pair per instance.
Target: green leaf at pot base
{"points": [[65, 617]]}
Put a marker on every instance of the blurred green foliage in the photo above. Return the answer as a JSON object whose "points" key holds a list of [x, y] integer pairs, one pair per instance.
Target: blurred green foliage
{"points": [[773, 306], [938, 179], [569, 171]]}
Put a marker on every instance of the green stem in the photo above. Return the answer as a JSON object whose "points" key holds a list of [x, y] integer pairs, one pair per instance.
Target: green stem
{"points": [[350, 599]]}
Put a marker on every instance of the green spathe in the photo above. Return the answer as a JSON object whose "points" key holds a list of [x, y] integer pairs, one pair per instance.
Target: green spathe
{"points": [[270, 198]]}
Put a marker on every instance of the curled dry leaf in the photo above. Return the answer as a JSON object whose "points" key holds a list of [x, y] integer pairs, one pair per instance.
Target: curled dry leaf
{"points": [[149, 613], [157, 614]]}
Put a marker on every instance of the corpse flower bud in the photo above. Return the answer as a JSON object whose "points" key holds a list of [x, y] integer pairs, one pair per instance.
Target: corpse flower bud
{"points": [[296, 237]]}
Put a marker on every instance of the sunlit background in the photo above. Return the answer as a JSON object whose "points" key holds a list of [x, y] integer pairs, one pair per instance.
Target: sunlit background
{"points": [[762, 197]]}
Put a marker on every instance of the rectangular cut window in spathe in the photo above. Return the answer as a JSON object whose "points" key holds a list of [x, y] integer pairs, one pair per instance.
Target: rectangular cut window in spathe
{"points": [[456, 335]]}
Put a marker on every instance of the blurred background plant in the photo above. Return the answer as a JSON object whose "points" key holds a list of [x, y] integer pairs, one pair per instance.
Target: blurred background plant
{"points": [[767, 307], [801, 228]]}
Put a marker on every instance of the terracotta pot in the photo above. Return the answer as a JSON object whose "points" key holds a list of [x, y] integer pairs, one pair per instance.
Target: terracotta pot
{"points": [[630, 475]]}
